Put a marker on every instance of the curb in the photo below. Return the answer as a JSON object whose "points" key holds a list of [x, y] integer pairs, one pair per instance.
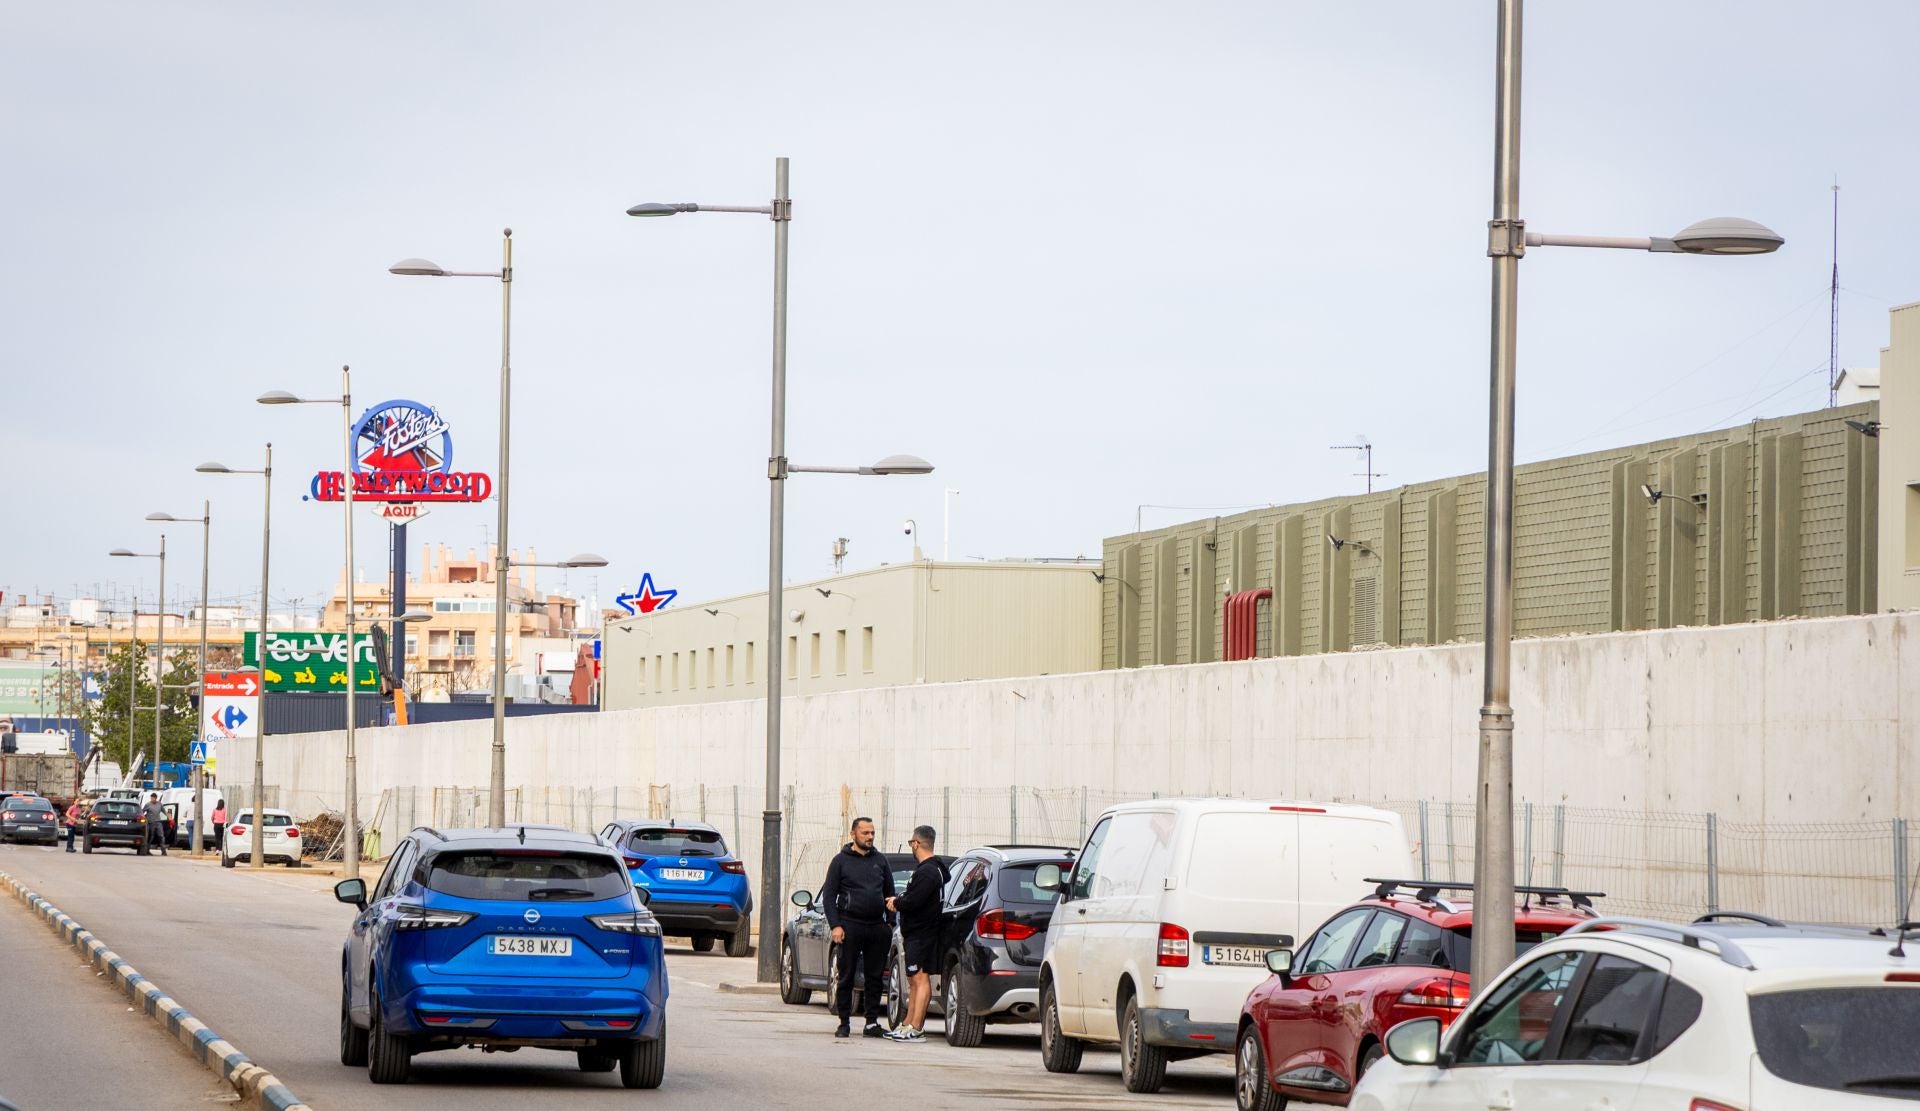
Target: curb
{"points": [[258, 1088], [750, 989]]}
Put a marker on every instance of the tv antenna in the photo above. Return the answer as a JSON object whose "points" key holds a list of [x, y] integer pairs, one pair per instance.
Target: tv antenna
{"points": [[1365, 447]]}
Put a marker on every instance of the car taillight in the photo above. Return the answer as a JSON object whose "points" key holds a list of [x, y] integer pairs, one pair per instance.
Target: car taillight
{"points": [[411, 917], [636, 861], [237, 831], [734, 867], [1440, 991], [293, 833], [995, 925], [1173, 946], [628, 922]]}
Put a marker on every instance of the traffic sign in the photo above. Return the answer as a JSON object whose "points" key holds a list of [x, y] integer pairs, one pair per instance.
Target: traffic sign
{"points": [[231, 709], [198, 753]]}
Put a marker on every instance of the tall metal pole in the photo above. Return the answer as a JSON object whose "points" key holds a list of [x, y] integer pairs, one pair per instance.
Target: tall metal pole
{"points": [[497, 783], [350, 859], [160, 666], [257, 849], [1493, 815], [199, 770], [771, 903], [133, 677]]}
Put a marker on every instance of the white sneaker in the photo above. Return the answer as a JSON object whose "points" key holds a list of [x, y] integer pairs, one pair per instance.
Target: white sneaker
{"points": [[907, 1034]]}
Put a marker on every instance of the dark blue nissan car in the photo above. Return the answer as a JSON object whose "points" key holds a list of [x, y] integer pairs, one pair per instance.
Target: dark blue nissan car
{"points": [[503, 938]]}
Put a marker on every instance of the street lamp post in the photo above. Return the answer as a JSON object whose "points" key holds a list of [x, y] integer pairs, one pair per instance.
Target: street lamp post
{"points": [[205, 521], [419, 267], [256, 855], [780, 211], [160, 646], [350, 855], [1507, 242]]}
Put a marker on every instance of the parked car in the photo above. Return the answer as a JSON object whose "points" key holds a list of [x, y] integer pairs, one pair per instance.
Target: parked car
{"points": [[809, 959], [994, 931], [178, 804], [697, 887], [29, 818], [1733, 1012], [1165, 923], [1314, 1027], [503, 938], [279, 838], [114, 822]]}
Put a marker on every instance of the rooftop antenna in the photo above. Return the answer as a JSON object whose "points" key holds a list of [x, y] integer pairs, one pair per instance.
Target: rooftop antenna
{"points": [[1364, 446], [1833, 308], [839, 553]]}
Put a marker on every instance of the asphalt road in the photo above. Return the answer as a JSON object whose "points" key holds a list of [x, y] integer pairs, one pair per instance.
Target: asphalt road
{"points": [[257, 958]]}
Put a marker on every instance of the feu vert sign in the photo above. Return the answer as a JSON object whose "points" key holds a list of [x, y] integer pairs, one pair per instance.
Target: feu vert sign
{"points": [[314, 661]]}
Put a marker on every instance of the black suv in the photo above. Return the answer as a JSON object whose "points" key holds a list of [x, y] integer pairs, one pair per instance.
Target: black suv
{"points": [[114, 822], [994, 934]]}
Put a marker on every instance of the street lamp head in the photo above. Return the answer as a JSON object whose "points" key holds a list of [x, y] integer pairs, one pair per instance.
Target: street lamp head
{"points": [[584, 559], [1727, 235], [414, 617], [277, 397], [213, 468], [160, 517], [902, 464], [661, 209], [417, 267], [122, 552]]}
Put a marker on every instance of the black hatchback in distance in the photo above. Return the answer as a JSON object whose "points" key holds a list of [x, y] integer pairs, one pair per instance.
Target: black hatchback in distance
{"points": [[114, 822], [994, 932]]}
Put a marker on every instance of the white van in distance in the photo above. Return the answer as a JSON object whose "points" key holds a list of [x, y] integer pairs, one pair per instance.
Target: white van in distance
{"points": [[1165, 923]]}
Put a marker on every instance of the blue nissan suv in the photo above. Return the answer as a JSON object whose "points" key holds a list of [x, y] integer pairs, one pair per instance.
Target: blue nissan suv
{"points": [[697, 887], [523, 936]]}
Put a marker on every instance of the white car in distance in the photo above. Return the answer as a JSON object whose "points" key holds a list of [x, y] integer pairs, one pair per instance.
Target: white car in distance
{"points": [[1733, 1012], [280, 839]]}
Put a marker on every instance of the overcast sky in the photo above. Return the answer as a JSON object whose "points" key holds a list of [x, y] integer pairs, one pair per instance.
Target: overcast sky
{"points": [[1083, 256]]}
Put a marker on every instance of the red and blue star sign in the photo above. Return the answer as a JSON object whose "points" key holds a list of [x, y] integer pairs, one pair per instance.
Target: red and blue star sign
{"points": [[647, 598]]}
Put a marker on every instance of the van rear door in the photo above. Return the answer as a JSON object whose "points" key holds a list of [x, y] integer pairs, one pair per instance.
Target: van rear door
{"points": [[1239, 899]]}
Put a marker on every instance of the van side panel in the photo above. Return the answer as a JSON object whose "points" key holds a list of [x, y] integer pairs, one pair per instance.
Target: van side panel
{"points": [[1122, 917]]}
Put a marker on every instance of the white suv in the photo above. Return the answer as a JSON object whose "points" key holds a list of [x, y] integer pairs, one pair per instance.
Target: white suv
{"points": [[1734, 1012]]}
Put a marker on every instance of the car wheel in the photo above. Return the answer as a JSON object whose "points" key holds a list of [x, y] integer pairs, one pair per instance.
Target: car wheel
{"points": [[1143, 1067], [1058, 1052], [597, 1060], [964, 1028], [1252, 1091], [790, 989], [226, 861], [644, 1064], [833, 979], [353, 1040], [389, 1058], [86, 845], [740, 941], [702, 943], [142, 850], [897, 993], [1368, 1059]]}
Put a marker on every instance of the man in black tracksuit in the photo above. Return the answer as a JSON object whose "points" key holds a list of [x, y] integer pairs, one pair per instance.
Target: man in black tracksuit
{"points": [[859, 883], [919, 910]]}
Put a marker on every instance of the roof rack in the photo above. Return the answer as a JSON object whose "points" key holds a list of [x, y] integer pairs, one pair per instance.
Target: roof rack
{"points": [[1691, 936], [1427, 891]]}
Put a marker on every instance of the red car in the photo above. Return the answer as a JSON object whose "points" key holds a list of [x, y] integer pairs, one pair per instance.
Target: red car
{"points": [[1308, 1033]]}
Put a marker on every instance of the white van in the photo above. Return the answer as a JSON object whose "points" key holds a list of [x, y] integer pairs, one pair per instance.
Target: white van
{"points": [[1165, 923], [181, 800]]}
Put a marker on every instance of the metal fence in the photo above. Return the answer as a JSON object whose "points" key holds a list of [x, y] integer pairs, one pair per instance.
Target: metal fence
{"points": [[1659, 864]]}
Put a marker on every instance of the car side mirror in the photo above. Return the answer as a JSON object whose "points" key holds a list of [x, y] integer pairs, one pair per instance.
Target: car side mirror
{"points": [[802, 899], [352, 892], [1415, 1042], [1047, 878], [1280, 962]]}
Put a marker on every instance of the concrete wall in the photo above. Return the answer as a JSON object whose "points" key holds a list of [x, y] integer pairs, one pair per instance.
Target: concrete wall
{"points": [[1783, 723]]}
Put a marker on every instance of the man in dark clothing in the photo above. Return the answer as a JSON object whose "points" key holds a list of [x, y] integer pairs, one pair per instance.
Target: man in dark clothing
{"points": [[919, 909], [859, 885], [156, 823]]}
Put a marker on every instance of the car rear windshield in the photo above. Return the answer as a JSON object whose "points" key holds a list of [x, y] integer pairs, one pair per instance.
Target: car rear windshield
{"points": [[26, 804], [1427, 944], [519, 876], [665, 841], [1016, 883], [271, 821], [115, 809], [1841, 1039]]}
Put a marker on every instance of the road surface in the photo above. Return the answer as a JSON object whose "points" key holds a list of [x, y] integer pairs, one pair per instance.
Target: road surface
{"points": [[256, 956]]}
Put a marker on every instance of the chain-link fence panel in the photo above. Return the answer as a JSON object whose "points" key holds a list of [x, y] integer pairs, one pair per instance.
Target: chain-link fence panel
{"points": [[1834, 872]]}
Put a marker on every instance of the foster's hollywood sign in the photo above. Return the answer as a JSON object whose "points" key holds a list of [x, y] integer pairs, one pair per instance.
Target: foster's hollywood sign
{"points": [[403, 452]]}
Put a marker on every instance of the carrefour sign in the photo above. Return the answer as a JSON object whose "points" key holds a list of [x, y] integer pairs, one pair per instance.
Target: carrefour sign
{"points": [[310, 661], [403, 452]]}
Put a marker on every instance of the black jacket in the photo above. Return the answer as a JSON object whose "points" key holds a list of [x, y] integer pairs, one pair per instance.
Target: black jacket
{"points": [[857, 888], [919, 904]]}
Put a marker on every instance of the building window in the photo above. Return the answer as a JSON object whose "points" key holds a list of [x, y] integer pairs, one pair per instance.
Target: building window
{"points": [[693, 668], [463, 644], [676, 671], [729, 665], [793, 657], [437, 642], [866, 649], [749, 668], [710, 668], [643, 675], [813, 654], [413, 645], [658, 663], [840, 652]]}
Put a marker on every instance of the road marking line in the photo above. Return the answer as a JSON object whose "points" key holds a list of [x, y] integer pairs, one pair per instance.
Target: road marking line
{"points": [[258, 1088]]}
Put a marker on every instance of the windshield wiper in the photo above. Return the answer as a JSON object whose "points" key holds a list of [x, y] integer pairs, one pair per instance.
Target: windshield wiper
{"points": [[1909, 1081], [559, 892]]}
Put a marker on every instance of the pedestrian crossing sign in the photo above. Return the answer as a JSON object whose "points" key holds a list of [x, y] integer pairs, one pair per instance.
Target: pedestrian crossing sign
{"points": [[198, 754]]}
